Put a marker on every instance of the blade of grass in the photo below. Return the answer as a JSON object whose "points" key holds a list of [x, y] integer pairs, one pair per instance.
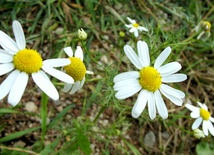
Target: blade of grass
{"points": [[44, 110], [18, 134]]}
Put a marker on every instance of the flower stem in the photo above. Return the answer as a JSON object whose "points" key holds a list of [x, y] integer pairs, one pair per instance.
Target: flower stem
{"points": [[44, 114], [102, 109], [92, 58]]}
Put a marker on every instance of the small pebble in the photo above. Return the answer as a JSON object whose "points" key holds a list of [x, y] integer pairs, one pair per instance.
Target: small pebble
{"points": [[150, 139], [59, 108], [31, 107], [104, 59], [20, 143]]}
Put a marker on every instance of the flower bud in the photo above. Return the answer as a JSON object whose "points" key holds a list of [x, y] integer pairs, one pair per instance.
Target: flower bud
{"points": [[82, 35], [206, 26], [122, 34], [198, 134]]}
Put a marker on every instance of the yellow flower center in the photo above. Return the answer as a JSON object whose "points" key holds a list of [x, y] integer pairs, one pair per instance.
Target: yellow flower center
{"points": [[206, 26], [27, 60], [136, 25], [204, 114], [76, 69], [150, 79]]}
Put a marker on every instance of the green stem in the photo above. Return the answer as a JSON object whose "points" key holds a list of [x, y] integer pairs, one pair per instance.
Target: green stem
{"points": [[92, 58], [44, 114], [85, 49], [100, 112]]}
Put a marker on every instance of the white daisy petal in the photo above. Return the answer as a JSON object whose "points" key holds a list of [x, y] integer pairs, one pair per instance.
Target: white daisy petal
{"points": [[151, 105], [133, 29], [125, 93], [58, 74], [82, 83], [75, 87], [45, 85], [174, 78], [205, 127], [59, 62], [8, 83], [128, 26], [18, 88], [169, 69], [132, 56], [6, 68], [7, 43], [172, 91], [68, 51], [172, 98], [136, 34], [89, 72], [191, 107], [162, 57], [5, 57], [79, 53], [211, 119], [19, 35], [128, 86], [143, 52], [210, 127], [131, 20], [161, 107], [126, 83], [141, 28], [140, 104], [67, 87], [126, 75], [195, 114], [197, 123], [202, 105]]}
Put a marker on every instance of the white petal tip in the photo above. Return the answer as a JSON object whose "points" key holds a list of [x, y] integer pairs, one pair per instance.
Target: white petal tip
{"points": [[135, 115], [13, 103]]}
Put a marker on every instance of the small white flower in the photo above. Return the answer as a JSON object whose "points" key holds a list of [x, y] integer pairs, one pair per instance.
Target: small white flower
{"points": [[149, 81], [203, 117], [23, 62], [198, 133], [135, 27], [76, 69]]}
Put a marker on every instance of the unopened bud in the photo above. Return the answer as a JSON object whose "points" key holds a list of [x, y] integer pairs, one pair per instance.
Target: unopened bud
{"points": [[198, 134], [206, 26], [82, 35], [122, 34]]}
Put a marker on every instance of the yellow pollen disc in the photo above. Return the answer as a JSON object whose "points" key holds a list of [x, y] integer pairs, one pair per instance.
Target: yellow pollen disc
{"points": [[204, 114], [150, 79], [76, 69], [136, 25], [27, 60]]}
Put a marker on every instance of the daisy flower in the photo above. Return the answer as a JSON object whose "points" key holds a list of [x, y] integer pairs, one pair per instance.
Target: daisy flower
{"points": [[149, 81], [135, 27], [202, 116], [21, 62], [76, 69]]}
